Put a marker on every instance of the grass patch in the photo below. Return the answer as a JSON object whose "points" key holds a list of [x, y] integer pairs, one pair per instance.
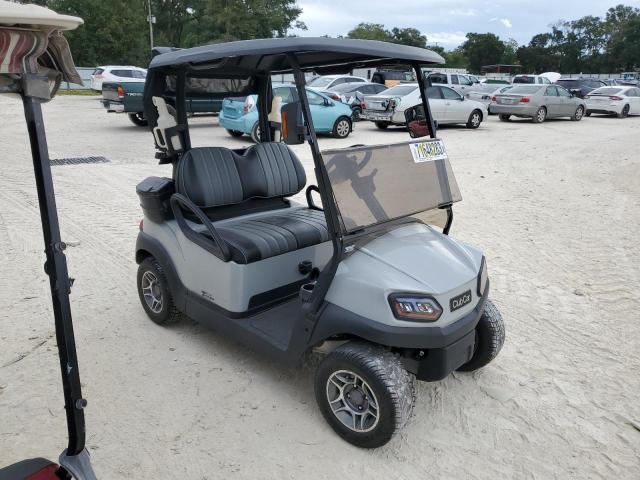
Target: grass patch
{"points": [[82, 93]]}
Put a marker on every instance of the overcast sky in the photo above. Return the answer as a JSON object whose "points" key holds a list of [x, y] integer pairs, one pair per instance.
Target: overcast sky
{"points": [[446, 22]]}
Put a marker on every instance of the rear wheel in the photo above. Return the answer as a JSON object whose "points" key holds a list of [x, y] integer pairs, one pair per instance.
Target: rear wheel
{"points": [[475, 119], [364, 393], [382, 125], [357, 112], [540, 116], [625, 112], [588, 114], [342, 127], [154, 293], [504, 117], [255, 133], [579, 113], [490, 334], [235, 133], [138, 119]]}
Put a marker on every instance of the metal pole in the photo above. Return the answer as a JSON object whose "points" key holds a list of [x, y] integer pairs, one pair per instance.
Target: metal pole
{"points": [[425, 101], [150, 18]]}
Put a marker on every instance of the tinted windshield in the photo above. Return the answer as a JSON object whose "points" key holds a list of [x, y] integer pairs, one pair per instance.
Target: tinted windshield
{"points": [[320, 82], [376, 184], [606, 91], [523, 90], [524, 79], [400, 90]]}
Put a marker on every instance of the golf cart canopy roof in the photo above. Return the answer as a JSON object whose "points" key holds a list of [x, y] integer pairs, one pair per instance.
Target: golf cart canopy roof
{"points": [[325, 55]]}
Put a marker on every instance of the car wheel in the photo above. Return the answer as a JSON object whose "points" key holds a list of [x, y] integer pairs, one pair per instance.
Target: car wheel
{"points": [[540, 116], [235, 133], [625, 111], [342, 127], [255, 133], [357, 112], [475, 119], [154, 293], [490, 334], [504, 117], [382, 125], [588, 114], [138, 119], [364, 393], [577, 116]]}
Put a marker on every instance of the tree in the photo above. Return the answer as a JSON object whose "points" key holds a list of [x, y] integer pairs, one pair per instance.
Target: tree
{"points": [[371, 31], [409, 36], [482, 49]]}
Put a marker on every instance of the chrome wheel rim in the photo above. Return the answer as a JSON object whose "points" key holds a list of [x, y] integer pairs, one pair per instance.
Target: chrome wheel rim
{"points": [[342, 128], [475, 120], [352, 401], [152, 292], [579, 113], [541, 114]]}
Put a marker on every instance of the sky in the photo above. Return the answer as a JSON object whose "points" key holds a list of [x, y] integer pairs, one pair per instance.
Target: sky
{"points": [[446, 22]]}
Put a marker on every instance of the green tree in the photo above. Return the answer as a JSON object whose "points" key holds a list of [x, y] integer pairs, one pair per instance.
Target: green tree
{"points": [[371, 31], [482, 49], [409, 36]]}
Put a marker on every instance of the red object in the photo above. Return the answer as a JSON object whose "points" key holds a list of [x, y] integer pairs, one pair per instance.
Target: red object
{"points": [[418, 128], [47, 473], [524, 100], [141, 226], [494, 99], [120, 92], [334, 96], [615, 98]]}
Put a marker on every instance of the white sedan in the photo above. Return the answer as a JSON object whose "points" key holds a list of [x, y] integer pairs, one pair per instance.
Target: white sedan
{"points": [[447, 106], [618, 100], [116, 73]]}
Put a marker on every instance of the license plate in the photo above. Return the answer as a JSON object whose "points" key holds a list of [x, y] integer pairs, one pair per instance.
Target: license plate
{"points": [[376, 116], [507, 101], [427, 151], [460, 301]]}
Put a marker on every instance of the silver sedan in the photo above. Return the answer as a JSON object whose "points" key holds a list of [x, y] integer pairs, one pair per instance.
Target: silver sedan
{"points": [[538, 102]]}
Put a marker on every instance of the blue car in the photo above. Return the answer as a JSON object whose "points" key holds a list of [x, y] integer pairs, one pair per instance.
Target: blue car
{"points": [[239, 115]]}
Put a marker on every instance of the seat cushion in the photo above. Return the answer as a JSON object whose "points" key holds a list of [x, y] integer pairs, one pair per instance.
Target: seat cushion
{"points": [[273, 234]]}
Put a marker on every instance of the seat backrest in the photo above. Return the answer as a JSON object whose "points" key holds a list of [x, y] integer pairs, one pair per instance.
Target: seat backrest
{"points": [[216, 176]]}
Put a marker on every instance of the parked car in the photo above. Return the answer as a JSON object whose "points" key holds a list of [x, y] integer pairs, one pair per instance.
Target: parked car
{"points": [[580, 86], [484, 92], [115, 73], [538, 102], [530, 79], [327, 82], [353, 94], [458, 81], [621, 101], [631, 78], [391, 78], [239, 115], [447, 106]]}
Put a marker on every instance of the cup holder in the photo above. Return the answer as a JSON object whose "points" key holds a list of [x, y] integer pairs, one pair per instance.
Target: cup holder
{"points": [[306, 291]]}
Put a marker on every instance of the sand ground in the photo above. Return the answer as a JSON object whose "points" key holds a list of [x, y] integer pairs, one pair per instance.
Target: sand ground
{"points": [[556, 209]]}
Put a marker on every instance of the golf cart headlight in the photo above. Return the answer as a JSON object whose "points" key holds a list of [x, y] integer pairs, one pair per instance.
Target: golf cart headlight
{"points": [[483, 277], [414, 307]]}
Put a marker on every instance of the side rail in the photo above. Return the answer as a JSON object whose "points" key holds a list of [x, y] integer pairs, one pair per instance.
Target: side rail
{"points": [[216, 244]]}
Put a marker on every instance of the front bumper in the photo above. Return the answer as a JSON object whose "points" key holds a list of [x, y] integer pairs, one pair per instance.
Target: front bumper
{"points": [[113, 106]]}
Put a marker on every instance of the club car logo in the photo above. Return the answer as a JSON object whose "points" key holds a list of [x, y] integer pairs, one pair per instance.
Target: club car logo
{"points": [[460, 301], [428, 151]]}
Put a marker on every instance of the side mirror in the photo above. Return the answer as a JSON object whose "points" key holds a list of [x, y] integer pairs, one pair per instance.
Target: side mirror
{"points": [[292, 125]]}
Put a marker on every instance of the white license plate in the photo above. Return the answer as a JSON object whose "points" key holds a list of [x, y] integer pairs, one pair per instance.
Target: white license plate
{"points": [[376, 116], [507, 101], [428, 151]]}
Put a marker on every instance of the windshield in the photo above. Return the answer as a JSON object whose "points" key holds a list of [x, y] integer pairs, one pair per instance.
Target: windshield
{"points": [[523, 90], [569, 83], [606, 91], [347, 87], [376, 184], [400, 90], [320, 82], [524, 79]]}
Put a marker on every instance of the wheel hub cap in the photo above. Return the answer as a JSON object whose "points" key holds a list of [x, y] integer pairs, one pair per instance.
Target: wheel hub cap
{"points": [[352, 401], [152, 292]]}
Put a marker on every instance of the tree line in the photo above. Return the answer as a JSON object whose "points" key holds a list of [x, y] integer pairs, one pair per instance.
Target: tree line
{"points": [[117, 32]]}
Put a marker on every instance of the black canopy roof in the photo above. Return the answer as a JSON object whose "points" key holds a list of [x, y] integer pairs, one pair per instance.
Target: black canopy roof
{"points": [[325, 55]]}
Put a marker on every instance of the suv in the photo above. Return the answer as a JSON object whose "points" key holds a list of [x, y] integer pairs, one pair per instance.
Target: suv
{"points": [[115, 73], [580, 86], [392, 76], [460, 82], [326, 82]]}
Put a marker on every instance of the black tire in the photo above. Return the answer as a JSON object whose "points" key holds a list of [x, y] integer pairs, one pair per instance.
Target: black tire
{"points": [[356, 115], [578, 114], [504, 117], [475, 119], [540, 116], [383, 381], [383, 125], [341, 127], [255, 133], [138, 119], [625, 111], [167, 313], [588, 113], [490, 334], [235, 133]]}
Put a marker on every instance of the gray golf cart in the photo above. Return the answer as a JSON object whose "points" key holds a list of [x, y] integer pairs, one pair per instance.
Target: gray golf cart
{"points": [[362, 275]]}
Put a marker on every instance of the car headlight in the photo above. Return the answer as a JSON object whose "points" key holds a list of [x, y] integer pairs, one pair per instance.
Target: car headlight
{"points": [[483, 277], [414, 307]]}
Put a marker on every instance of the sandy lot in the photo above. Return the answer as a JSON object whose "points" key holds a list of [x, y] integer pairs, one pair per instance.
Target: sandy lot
{"points": [[555, 207]]}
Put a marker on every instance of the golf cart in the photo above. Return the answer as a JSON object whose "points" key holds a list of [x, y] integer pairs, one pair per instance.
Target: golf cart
{"points": [[359, 275], [34, 59]]}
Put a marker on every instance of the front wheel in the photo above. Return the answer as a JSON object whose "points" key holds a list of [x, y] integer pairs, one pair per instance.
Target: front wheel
{"points": [[540, 116], [490, 334], [625, 112], [579, 113], [154, 293], [382, 125], [138, 119], [475, 119], [364, 393], [235, 133], [342, 127]]}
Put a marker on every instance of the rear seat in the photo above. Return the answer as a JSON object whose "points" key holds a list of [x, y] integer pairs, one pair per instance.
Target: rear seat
{"points": [[219, 180]]}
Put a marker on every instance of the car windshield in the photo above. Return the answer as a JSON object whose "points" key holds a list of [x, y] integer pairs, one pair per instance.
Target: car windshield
{"points": [[524, 79], [606, 91], [400, 90], [347, 87], [569, 83], [523, 89], [380, 183], [320, 82]]}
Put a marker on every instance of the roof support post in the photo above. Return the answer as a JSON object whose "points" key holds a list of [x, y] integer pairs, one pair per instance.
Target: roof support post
{"points": [[425, 102]]}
